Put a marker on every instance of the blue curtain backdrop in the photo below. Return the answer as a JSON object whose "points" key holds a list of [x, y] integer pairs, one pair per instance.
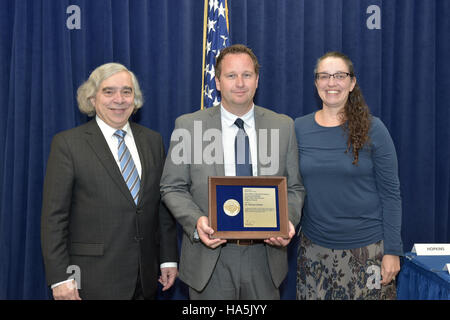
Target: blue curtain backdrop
{"points": [[400, 55]]}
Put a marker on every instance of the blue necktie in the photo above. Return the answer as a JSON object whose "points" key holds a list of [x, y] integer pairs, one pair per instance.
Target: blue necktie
{"points": [[242, 151], [128, 168]]}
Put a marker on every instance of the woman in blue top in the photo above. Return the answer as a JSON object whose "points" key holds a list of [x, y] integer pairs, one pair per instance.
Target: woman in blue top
{"points": [[350, 239]]}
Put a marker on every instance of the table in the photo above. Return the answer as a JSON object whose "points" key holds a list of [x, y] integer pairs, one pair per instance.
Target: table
{"points": [[422, 278]]}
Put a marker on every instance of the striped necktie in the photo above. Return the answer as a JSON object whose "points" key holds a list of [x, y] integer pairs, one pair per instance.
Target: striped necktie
{"points": [[242, 151], [127, 166]]}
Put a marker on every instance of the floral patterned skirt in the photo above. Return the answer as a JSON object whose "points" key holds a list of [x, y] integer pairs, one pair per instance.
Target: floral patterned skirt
{"points": [[329, 274]]}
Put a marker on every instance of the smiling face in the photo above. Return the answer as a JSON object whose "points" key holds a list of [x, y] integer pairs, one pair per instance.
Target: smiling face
{"points": [[114, 100], [237, 83], [334, 93]]}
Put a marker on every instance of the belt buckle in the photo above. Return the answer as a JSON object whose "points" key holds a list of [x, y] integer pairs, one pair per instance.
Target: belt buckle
{"points": [[244, 242]]}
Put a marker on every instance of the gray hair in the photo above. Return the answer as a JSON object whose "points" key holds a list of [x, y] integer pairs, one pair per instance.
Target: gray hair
{"points": [[90, 87]]}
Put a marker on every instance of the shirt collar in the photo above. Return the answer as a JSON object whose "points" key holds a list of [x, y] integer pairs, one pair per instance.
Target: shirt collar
{"points": [[229, 118], [109, 131]]}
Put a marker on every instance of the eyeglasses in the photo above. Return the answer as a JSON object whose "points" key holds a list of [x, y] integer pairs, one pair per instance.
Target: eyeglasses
{"points": [[339, 76]]}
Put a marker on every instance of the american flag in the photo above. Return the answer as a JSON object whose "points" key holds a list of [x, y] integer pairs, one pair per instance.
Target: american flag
{"points": [[216, 38]]}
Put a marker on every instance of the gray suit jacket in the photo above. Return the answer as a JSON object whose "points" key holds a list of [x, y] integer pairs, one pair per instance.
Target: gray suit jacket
{"points": [[184, 187], [90, 220]]}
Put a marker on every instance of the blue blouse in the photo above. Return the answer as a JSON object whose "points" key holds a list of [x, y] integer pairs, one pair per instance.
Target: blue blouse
{"points": [[349, 206]]}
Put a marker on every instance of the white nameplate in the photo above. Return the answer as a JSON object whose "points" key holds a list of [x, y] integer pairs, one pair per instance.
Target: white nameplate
{"points": [[431, 249]]}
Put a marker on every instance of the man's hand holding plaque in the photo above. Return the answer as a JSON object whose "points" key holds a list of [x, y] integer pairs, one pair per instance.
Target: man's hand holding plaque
{"points": [[279, 241], [205, 232]]}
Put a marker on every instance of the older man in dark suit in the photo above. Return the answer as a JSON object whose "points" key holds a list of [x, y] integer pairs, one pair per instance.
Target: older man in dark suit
{"points": [[101, 214]]}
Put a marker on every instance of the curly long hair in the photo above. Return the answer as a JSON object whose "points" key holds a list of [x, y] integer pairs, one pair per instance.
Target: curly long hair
{"points": [[356, 115]]}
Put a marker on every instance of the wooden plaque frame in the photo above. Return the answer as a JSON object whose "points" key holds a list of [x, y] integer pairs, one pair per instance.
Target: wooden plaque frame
{"points": [[269, 181]]}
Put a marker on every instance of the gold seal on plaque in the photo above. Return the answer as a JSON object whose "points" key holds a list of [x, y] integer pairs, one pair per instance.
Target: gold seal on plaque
{"points": [[231, 207]]}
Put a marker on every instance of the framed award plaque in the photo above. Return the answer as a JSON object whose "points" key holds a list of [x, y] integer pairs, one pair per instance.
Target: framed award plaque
{"points": [[248, 207]]}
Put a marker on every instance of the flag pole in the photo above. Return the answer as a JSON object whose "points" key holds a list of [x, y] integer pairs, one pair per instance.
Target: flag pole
{"points": [[226, 16]]}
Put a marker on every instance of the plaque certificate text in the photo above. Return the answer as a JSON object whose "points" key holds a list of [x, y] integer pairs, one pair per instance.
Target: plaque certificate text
{"points": [[260, 207]]}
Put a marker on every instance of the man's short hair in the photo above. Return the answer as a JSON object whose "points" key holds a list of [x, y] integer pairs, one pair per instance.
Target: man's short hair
{"points": [[235, 49]]}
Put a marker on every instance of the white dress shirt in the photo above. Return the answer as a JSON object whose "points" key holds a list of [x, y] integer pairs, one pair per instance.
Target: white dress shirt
{"points": [[229, 132], [113, 143]]}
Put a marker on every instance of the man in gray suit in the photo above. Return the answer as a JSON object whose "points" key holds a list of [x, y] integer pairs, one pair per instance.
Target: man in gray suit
{"points": [[102, 218], [217, 268]]}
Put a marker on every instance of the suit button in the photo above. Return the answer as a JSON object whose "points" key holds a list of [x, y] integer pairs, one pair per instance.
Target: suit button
{"points": [[139, 211], [138, 239]]}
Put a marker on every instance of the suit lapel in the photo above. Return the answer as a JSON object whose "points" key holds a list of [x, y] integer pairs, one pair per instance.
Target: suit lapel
{"points": [[261, 122], [214, 122], [96, 140]]}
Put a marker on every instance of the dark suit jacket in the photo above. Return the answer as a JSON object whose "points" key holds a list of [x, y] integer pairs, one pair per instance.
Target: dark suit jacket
{"points": [[90, 220]]}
